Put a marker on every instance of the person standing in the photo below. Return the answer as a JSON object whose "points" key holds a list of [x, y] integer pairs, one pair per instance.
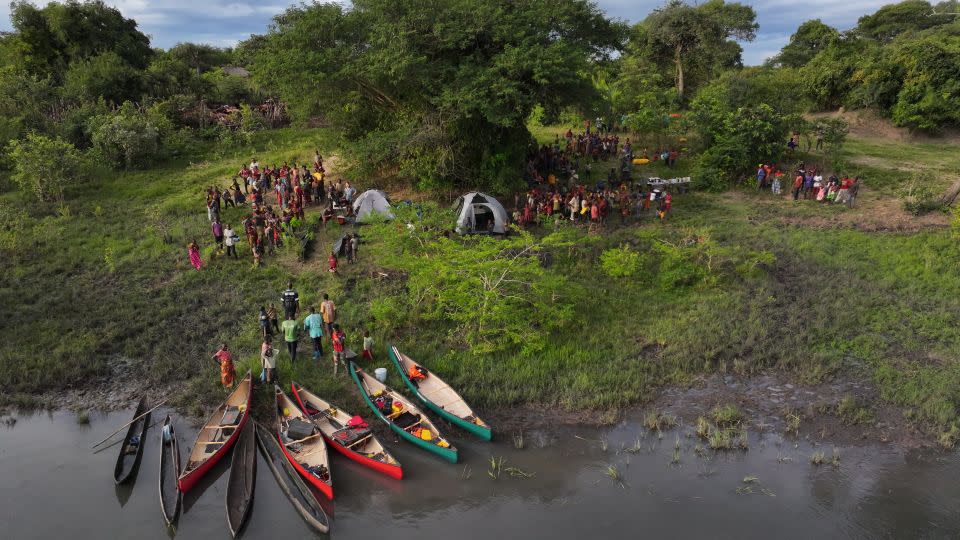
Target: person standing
{"points": [[291, 334], [329, 311], [229, 240], [313, 324], [193, 250], [227, 372], [355, 246], [797, 186], [332, 263], [268, 358], [217, 228], [265, 322], [367, 346], [290, 300], [272, 315], [339, 341]]}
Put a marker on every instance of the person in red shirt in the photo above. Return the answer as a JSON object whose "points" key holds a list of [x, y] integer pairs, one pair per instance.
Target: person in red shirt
{"points": [[333, 262], [338, 338], [797, 186]]}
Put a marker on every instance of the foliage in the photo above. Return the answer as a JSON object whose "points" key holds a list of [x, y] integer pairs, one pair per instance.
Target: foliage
{"points": [[894, 19], [105, 76], [44, 166], [494, 291], [809, 39], [918, 196], [443, 93], [620, 262], [125, 138]]}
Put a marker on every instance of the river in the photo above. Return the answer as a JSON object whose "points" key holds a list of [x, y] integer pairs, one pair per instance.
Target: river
{"points": [[53, 486]]}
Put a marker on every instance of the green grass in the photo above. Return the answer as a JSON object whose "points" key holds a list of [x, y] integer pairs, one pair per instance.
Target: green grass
{"points": [[724, 286]]}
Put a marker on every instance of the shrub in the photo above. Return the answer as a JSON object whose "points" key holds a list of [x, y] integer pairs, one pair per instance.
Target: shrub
{"points": [[620, 262], [44, 165], [125, 138]]}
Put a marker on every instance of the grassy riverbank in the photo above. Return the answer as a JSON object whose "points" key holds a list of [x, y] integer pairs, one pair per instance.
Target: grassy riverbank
{"points": [[733, 283]]}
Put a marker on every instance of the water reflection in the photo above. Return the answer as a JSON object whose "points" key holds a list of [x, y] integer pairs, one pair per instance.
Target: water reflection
{"points": [[874, 492]]}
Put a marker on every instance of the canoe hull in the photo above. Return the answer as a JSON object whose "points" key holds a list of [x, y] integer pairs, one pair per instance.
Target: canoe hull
{"points": [[481, 432], [242, 482], [324, 487], [445, 453], [393, 471], [123, 473], [169, 463], [189, 480]]}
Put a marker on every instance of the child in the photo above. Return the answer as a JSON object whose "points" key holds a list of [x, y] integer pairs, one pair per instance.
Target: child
{"points": [[268, 358], [367, 346], [333, 262]]}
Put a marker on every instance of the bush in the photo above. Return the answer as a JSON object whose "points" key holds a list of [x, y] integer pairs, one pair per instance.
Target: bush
{"points": [[620, 262], [125, 138], [43, 166], [917, 195]]}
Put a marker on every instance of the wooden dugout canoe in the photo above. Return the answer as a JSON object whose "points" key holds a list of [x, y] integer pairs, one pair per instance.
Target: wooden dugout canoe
{"points": [[361, 446], [218, 434], [307, 453], [290, 482], [169, 471], [406, 421], [440, 397], [131, 451], [243, 476]]}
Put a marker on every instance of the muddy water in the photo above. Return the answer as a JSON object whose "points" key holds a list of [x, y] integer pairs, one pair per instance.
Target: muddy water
{"points": [[54, 487]]}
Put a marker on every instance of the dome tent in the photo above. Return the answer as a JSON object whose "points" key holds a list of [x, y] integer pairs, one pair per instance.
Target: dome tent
{"points": [[370, 202], [480, 213]]}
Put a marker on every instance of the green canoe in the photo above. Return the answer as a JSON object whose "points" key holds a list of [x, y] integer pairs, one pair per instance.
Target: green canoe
{"points": [[407, 421], [441, 399]]}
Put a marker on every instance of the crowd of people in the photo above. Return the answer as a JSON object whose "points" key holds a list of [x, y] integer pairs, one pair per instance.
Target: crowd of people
{"points": [[290, 189], [319, 325], [808, 183]]}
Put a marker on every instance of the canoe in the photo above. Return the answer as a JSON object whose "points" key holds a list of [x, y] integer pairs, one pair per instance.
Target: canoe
{"points": [[243, 476], [169, 470], [358, 444], [303, 445], [290, 483], [440, 398], [131, 451], [405, 422], [218, 434]]}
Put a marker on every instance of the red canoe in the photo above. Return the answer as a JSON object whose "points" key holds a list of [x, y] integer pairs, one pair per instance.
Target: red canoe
{"points": [[357, 443], [303, 445], [217, 435]]}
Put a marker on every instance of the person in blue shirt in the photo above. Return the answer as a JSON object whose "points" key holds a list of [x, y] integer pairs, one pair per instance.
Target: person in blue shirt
{"points": [[313, 324]]}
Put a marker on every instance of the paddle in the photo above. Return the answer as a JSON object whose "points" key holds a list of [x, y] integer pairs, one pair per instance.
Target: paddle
{"points": [[128, 423]]}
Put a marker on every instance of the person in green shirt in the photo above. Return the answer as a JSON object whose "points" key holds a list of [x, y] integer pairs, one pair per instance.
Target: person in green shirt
{"points": [[291, 334], [313, 324]]}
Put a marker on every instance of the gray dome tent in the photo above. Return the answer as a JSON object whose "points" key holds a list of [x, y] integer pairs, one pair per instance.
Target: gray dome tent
{"points": [[480, 213], [370, 202]]}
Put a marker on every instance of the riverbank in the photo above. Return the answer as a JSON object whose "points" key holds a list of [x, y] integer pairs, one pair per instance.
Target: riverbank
{"points": [[731, 285]]}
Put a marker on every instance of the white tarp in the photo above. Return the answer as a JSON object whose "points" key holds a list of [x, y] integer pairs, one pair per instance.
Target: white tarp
{"points": [[371, 202], [477, 211]]}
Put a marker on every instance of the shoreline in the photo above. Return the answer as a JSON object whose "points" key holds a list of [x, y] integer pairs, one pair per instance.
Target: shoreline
{"points": [[766, 401]]}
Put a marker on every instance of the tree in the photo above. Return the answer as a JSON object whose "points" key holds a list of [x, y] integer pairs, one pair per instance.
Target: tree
{"points": [[809, 39], [43, 166], [702, 37], [201, 58], [104, 76], [894, 19], [440, 91], [53, 37], [125, 138]]}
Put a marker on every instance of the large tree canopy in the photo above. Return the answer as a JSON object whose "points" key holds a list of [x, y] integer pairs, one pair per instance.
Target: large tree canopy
{"points": [[809, 39], [443, 92]]}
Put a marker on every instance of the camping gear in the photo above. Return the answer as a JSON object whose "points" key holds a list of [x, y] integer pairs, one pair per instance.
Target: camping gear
{"points": [[381, 374], [440, 398], [288, 479], [404, 423], [131, 451], [372, 202], [218, 434], [169, 469], [306, 453], [346, 433], [476, 211], [243, 476], [641, 161], [340, 246]]}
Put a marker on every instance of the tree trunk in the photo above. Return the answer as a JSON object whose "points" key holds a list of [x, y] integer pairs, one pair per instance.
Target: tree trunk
{"points": [[951, 195], [679, 64]]}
